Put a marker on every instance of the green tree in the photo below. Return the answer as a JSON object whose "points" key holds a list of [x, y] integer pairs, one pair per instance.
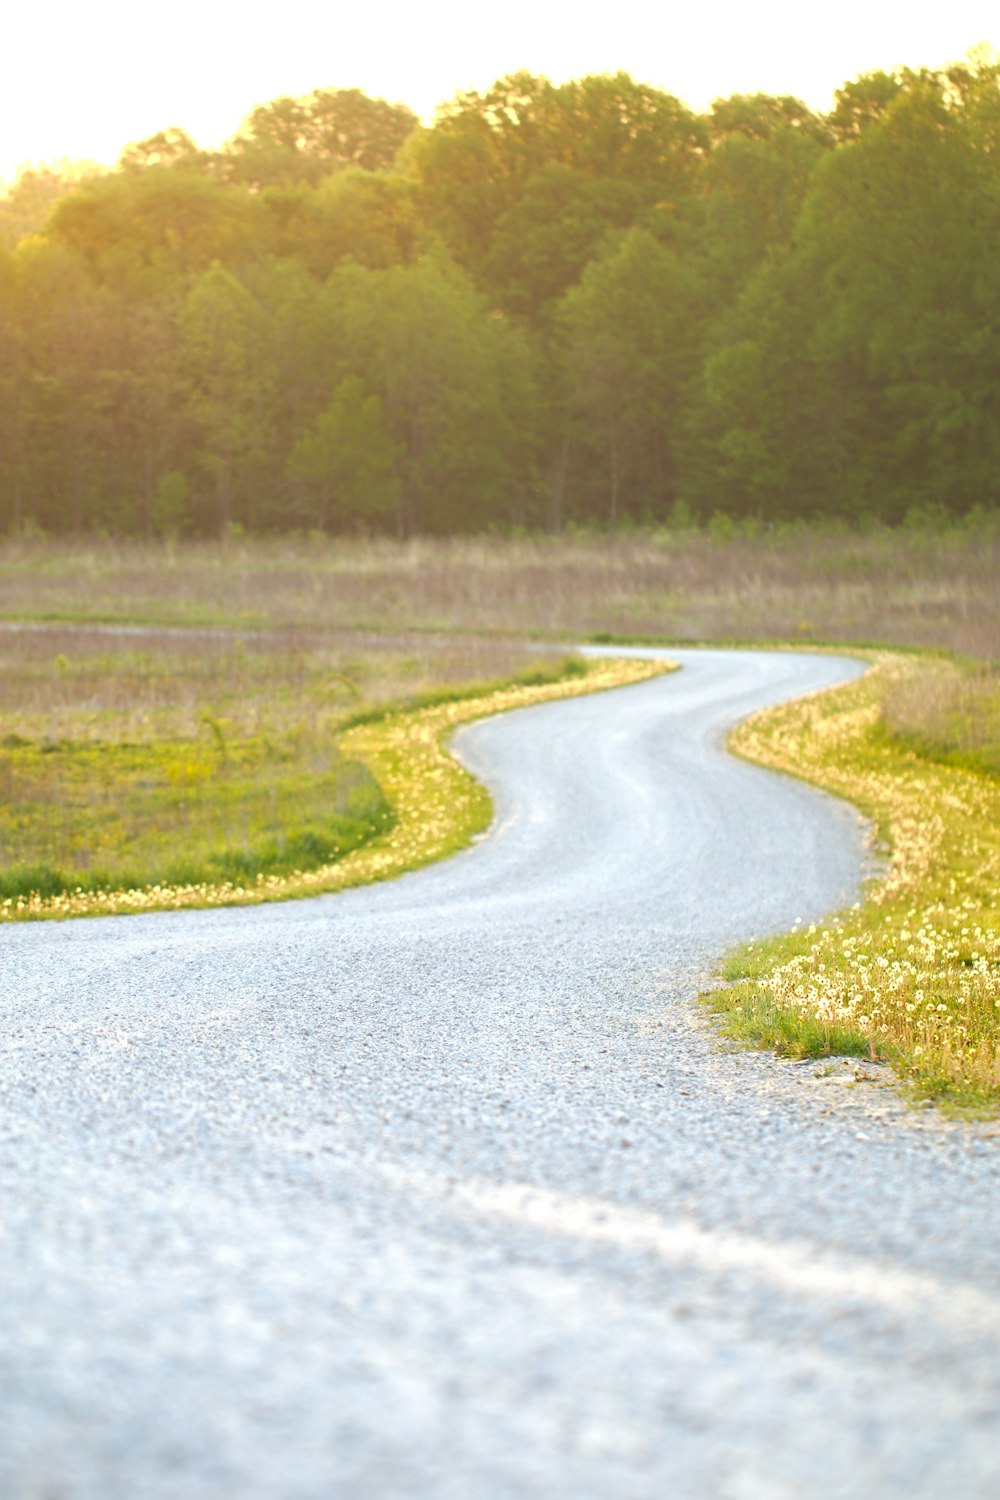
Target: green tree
{"points": [[143, 229], [631, 329], [611, 126], [71, 336], [861, 103], [26, 206], [13, 380], [761, 117], [146, 412], [749, 194], [461, 183], [223, 364], [541, 245], [304, 139], [345, 464], [169, 512], [299, 353], [858, 373], [493, 164], [167, 148], [370, 217], [767, 424], [901, 228], [420, 338]]}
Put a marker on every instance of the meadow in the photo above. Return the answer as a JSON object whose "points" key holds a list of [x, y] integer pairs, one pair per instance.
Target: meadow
{"points": [[929, 585]]}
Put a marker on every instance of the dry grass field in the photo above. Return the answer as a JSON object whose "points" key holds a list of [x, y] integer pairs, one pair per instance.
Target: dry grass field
{"points": [[907, 587]]}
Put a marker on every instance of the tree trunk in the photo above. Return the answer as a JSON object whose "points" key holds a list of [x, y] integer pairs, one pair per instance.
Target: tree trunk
{"points": [[223, 492], [558, 491], [77, 495]]}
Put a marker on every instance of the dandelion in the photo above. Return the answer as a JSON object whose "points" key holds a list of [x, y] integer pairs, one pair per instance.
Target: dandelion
{"points": [[928, 909]]}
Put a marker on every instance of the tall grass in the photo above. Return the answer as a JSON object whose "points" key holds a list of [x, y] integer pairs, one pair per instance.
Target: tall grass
{"points": [[922, 585], [948, 713]]}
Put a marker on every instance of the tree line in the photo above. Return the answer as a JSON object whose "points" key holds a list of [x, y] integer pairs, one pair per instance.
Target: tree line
{"points": [[580, 303]]}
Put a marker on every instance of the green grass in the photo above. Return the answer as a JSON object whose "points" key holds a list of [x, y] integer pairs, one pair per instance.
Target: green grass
{"points": [[950, 714], [559, 669], [751, 1015], [109, 816], [229, 802], [912, 975]]}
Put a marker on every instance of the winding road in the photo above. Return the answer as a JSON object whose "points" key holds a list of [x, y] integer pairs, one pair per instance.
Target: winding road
{"points": [[444, 1188]]}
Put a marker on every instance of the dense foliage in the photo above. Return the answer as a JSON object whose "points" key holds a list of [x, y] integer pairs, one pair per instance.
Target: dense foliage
{"points": [[554, 304]]}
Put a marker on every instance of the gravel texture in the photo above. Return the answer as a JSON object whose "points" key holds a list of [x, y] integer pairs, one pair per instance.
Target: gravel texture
{"points": [[445, 1189]]}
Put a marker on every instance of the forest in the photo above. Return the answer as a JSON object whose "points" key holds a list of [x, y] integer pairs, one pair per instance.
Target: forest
{"points": [[553, 306]]}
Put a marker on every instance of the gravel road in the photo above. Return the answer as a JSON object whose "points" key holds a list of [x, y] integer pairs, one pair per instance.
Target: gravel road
{"points": [[444, 1189]]}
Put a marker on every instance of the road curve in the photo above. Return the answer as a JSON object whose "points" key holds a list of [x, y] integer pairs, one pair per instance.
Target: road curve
{"points": [[442, 1188]]}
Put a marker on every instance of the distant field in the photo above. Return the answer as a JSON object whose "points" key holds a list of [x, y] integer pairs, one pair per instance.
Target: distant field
{"points": [[915, 587]]}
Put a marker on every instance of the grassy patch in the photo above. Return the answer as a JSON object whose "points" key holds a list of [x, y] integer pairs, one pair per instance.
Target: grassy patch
{"points": [[413, 804], [100, 816], [147, 756], [950, 713], [911, 976]]}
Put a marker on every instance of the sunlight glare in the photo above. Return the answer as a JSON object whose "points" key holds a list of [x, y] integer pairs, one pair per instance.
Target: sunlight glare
{"points": [[107, 74]]}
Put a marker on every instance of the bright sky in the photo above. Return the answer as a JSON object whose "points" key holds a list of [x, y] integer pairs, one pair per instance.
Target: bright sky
{"points": [[85, 77]]}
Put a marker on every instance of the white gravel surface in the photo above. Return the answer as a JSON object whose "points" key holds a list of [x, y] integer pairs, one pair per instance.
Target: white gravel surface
{"points": [[444, 1188]]}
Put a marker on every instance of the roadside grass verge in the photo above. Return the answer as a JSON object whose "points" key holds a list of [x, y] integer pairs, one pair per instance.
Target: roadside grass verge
{"points": [[414, 803], [912, 975]]}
